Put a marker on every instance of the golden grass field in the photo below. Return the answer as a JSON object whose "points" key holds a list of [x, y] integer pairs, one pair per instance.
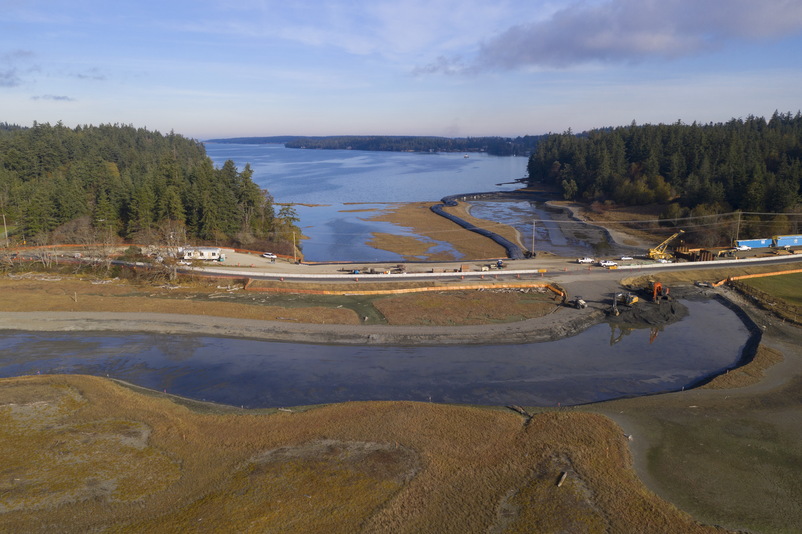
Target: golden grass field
{"points": [[83, 454]]}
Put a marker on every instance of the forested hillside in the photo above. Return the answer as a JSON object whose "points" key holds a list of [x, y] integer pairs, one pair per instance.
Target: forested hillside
{"points": [[752, 165], [59, 184]]}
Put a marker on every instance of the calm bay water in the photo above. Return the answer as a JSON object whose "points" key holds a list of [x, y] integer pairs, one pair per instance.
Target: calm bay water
{"points": [[585, 368], [337, 191], [348, 176]]}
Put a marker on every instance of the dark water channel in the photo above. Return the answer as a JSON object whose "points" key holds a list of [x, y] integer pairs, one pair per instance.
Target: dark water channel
{"points": [[597, 365]]}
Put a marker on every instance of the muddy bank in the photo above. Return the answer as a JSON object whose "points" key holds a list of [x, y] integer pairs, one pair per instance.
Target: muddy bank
{"points": [[562, 323]]}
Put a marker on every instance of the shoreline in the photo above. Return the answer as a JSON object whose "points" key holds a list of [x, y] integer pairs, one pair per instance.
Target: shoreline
{"points": [[543, 329]]}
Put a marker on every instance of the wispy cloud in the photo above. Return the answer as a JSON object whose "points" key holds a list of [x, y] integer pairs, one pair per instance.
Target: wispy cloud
{"points": [[11, 71], [9, 78], [90, 74], [632, 31], [386, 28], [443, 65], [56, 98]]}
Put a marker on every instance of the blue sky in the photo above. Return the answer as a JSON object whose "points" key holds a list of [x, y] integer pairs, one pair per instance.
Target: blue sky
{"points": [[225, 68]]}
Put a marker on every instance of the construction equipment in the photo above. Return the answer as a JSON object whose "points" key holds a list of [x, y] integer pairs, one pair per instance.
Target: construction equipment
{"points": [[579, 303], [659, 252], [659, 291], [628, 299]]}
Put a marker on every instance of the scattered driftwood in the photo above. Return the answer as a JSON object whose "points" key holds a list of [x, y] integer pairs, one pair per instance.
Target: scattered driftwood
{"points": [[562, 478]]}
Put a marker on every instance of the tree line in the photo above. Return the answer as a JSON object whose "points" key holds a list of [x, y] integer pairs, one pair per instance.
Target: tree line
{"points": [[496, 146], [750, 165], [114, 182]]}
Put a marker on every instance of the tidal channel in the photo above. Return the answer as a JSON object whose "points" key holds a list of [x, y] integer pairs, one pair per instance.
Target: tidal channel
{"points": [[599, 364]]}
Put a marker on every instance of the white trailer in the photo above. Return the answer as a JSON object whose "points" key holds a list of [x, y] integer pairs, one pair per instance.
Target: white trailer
{"points": [[203, 253]]}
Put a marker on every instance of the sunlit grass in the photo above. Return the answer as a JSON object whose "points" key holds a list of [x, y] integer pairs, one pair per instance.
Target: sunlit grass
{"points": [[111, 458]]}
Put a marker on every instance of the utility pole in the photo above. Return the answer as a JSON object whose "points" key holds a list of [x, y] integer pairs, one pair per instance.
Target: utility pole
{"points": [[5, 229], [737, 227], [294, 257], [533, 236]]}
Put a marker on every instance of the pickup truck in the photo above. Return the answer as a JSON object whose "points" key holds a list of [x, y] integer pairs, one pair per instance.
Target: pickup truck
{"points": [[607, 263], [585, 260]]}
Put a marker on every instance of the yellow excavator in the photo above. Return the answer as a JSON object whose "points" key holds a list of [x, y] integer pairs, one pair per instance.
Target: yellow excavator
{"points": [[659, 252]]}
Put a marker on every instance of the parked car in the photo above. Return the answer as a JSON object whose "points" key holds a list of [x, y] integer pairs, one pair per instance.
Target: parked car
{"points": [[585, 260], [269, 255], [743, 247], [607, 263], [626, 258]]}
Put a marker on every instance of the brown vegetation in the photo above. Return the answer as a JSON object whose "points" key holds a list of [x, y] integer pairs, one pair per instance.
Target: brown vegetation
{"points": [[66, 293], [466, 307], [422, 221], [108, 457], [37, 292], [748, 374]]}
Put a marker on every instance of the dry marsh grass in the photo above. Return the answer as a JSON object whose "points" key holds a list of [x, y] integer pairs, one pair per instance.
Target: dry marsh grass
{"points": [[748, 374], [422, 221], [412, 248], [295, 302], [465, 307], [355, 467], [68, 293]]}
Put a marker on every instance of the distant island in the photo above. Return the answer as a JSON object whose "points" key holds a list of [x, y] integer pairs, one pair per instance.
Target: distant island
{"points": [[496, 146]]}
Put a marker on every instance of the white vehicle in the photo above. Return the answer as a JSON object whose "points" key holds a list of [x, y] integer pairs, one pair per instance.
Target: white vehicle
{"points": [[585, 260], [626, 258], [663, 260], [269, 255], [743, 247], [607, 263]]}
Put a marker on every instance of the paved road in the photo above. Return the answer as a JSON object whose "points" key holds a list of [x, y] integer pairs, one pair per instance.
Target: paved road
{"points": [[253, 266]]}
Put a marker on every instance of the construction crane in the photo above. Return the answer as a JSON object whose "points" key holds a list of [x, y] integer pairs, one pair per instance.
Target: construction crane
{"points": [[659, 252]]}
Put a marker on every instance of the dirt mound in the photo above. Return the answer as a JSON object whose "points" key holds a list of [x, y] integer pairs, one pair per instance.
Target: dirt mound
{"points": [[650, 314]]}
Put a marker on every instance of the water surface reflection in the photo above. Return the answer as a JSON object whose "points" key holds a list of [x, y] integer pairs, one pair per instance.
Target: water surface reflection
{"points": [[581, 369]]}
